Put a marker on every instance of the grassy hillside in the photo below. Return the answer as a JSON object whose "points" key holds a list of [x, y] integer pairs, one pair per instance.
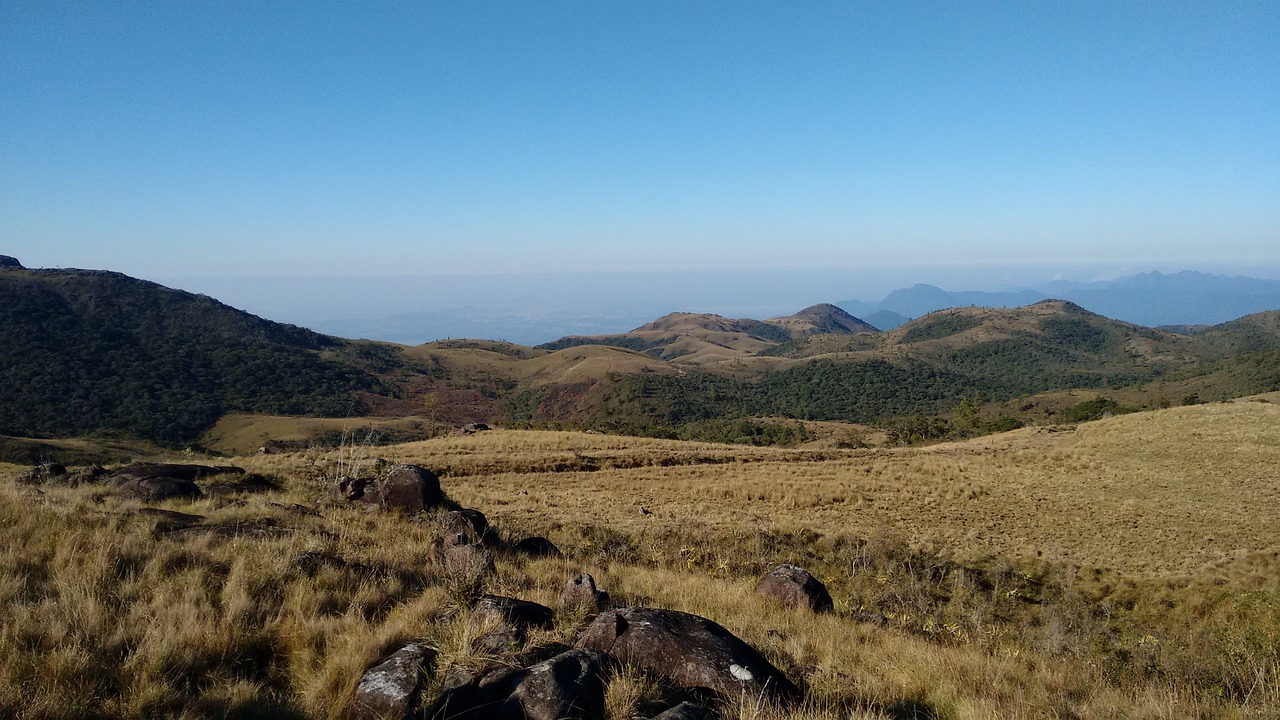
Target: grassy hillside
{"points": [[1097, 572]]}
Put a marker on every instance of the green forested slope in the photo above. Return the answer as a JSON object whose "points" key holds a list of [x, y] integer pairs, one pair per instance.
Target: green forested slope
{"points": [[90, 351]]}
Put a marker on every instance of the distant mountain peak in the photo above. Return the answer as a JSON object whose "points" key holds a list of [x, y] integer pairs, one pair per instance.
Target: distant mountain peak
{"points": [[1154, 298], [822, 319]]}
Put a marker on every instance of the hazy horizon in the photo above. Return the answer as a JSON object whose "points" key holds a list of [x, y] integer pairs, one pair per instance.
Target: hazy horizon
{"points": [[540, 307], [324, 165], [279, 139]]}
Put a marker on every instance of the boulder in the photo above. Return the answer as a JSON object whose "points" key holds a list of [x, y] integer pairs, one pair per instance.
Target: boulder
{"points": [[522, 614], [155, 488], [509, 620], [390, 688], [569, 686], [536, 547], [463, 527], [795, 587], [687, 651], [580, 593], [473, 428], [404, 487], [85, 476]]}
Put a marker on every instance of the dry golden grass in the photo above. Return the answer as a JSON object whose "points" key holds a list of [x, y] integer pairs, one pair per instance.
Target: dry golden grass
{"points": [[243, 434], [981, 557], [1154, 493]]}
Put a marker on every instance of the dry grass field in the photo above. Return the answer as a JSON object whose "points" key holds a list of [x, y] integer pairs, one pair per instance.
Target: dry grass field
{"points": [[1128, 567]]}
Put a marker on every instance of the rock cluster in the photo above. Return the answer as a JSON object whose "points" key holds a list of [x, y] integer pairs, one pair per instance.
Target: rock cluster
{"points": [[409, 488], [544, 681]]}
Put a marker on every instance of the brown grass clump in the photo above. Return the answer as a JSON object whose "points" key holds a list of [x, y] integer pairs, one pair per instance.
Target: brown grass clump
{"points": [[1124, 568]]}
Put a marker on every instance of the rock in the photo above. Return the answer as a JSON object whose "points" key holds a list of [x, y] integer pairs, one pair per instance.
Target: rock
{"points": [[688, 651], [8, 261], [458, 676], [686, 711], [502, 640], [463, 527], [537, 547], [794, 587], [580, 593], [521, 614], [249, 484], [152, 482], [42, 474], [410, 487], [85, 476], [473, 428], [155, 488], [569, 686], [390, 688], [404, 487]]}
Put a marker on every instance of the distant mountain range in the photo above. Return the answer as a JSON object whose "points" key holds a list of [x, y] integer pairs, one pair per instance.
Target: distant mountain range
{"points": [[94, 353], [1153, 299]]}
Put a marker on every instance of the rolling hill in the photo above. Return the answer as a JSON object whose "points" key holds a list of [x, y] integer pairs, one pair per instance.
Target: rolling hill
{"points": [[93, 352], [99, 353]]}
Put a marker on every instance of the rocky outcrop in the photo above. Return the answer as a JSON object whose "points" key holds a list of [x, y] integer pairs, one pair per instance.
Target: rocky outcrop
{"points": [[8, 261], [390, 689], [569, 686], [409, 488], [795, 587], [154, 488], [152, 482], [687, 651]]}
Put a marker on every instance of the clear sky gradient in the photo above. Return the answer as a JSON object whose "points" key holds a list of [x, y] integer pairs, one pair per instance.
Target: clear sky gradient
{"points": [[173, 139]]}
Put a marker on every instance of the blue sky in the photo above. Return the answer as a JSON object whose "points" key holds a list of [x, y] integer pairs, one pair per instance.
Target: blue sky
{"points": [[268, 139]]}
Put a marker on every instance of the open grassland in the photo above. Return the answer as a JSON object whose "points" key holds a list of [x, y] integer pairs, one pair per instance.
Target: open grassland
{"points": [[1163, 492], [1124, 568]]}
